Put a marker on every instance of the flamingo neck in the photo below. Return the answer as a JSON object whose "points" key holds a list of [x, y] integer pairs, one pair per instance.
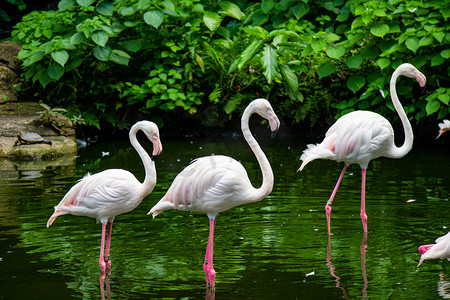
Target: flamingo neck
{"points": [[398, 152], [266, 169], [149, 165]]}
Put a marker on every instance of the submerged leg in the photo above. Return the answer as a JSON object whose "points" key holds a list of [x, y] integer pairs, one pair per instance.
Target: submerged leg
{"points": [[108, 244], [210, 273], [363, 200], [330, 201], [101, 260]]}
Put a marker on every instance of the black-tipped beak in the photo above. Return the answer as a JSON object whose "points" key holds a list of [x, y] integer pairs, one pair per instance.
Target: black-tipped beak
{"points": [[423, 89], [154, 157], [274, 133]]}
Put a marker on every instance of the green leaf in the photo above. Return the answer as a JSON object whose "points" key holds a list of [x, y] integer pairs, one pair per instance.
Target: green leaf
{"points": [[77, 38], [154, 18], [325, 69], [383, 63], [66, 4], [102, 53], [100, 37], [257, 31], [231, 10], [267, 5], [133, 45], [105, 8], [169, 5], [37, 56], [425, 41], [270, 63], [432, 107], [444, 98], [445, 54], [354, 61], [300, 9], [355, 83], [119, 57], [60, 56], [439, 36], [127, 11], [380, 30], [85, 3], [412, 44], [44, 79], [212, 20], [437, 60], [335, 53], [55, 71], [249, 52], [289, 76]]}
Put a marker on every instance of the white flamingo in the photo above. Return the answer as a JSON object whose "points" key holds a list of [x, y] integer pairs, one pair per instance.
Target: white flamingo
{"points": [[112, 192], [213, 184], [360, 136]]}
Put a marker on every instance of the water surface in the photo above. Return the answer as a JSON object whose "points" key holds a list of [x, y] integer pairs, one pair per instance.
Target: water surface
{"points": [[277, 248]]}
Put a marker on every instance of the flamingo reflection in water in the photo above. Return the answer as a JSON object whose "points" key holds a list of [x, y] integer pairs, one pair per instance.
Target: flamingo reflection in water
{"points": [[337, 279], [112, 192], [104, 281]]}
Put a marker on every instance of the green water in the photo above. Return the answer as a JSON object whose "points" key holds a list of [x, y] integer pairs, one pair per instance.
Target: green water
{"points": [[277, 248]]}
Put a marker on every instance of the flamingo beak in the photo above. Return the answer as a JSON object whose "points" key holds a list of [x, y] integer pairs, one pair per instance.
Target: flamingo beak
{"points": [[421, 79], [440, 133], [273, 122], [157, 147]]}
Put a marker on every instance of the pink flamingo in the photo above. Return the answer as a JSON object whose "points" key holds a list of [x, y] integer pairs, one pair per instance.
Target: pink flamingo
{"points": [[443, 127], [112, 192], [213, 184], [440, 250], [360, 136]]}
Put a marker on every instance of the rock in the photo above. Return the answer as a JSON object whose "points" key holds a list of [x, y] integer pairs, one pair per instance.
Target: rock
{"points": [[24, 117], [9, 70]]}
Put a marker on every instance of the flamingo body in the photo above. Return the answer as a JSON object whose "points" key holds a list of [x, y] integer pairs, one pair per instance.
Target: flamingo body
{"points": [[210, 184], [112, 192], [360, 136], [355, 138], [213, 184]]}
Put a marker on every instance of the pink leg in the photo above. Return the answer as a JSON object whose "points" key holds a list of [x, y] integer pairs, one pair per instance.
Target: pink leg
{"points": [[425, 248], [210, 273], [108, 244], [363, 200], [330, 201], [101, 260]]}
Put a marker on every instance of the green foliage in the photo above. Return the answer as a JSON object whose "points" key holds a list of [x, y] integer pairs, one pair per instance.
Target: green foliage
{"points": [[313, 60]]}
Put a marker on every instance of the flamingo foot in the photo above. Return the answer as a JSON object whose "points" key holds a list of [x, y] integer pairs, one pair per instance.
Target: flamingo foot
{"points": [[102, 265], [210, 275], [425, 248], [328, 212]]}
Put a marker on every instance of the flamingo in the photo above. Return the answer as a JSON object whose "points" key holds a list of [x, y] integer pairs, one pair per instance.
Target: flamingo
{"points": [[445, 126], [360, 136], [439, 250], [213, 184], [112, 192]]}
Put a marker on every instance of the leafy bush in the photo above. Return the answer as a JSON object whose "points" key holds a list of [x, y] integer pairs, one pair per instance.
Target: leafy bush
{"points": [[313, 60]]}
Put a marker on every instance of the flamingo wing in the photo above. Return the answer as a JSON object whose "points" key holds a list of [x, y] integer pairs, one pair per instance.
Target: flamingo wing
{"points": [[209, 184], [102, 196], [356, 137]]}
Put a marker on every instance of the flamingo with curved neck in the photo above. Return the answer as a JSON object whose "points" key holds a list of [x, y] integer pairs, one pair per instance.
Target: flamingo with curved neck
{"points": [[213, 184], [112, 192], [360, 136]]}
